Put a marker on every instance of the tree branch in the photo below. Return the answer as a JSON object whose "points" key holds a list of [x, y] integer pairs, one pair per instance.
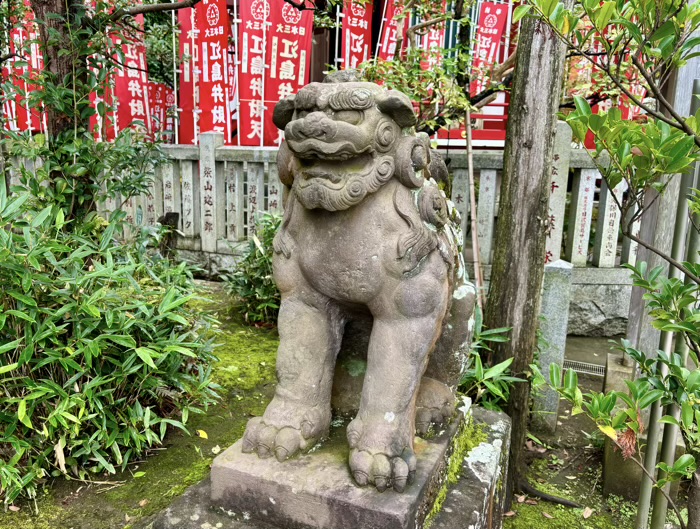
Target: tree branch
{"points": [[670, 260], [664, 102], [151, 8]]}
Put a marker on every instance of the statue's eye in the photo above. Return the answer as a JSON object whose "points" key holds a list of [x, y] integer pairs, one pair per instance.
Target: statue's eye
{"points": [[348, 116]]}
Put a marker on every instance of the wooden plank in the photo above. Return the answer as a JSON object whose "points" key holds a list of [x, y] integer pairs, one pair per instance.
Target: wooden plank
{"points": [[460, 197], [274, 190], [629, 247], [170, 176], [256, 192], [557, 196], [580, 216], [234, 212], [189, 176], [485, 213], [607, 226]]}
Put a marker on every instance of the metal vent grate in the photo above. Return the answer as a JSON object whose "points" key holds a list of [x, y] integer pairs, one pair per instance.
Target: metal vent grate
{"points": [[585, 368]]}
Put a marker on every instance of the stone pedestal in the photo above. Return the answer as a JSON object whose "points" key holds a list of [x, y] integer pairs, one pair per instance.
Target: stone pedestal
{"points": [[474, 501], [316, 490]]}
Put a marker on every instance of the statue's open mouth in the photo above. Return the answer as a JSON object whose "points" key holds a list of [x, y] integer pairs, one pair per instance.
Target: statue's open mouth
{"points": [[335, 171], [313, 149]]}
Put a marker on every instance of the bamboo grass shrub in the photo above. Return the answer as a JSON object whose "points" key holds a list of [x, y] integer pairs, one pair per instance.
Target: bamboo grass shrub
{"points": [[100, 351]]}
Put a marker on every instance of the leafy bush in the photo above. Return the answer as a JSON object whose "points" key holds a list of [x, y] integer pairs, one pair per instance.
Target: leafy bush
{"points": [[487, 386], [252, 281], [99, 349]]}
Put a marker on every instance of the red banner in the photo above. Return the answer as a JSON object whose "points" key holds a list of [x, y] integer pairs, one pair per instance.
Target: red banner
{"points": [[291, 33], [273, 57], [390, 28], [161, 100], [214, 28], [189, 53], [433, 41], [357, 33], [492, 24], [20, 70], [131, 86]]}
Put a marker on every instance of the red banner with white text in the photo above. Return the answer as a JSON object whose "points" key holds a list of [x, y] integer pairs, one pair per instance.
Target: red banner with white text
{"points": [[24, 64], [357, 33], [393, 17], [189, 55], [214, 29], [489, 36]]}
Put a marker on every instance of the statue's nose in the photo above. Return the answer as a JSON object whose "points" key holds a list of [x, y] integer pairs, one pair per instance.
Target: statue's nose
{"points": [[317, 125]]}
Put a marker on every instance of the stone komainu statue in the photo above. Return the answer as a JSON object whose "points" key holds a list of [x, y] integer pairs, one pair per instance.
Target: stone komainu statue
{"points": [[375, 303]]}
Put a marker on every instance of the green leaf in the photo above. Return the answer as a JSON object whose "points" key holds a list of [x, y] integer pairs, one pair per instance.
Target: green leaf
{"points": [[146, 354], [520, 12], [9, 346], [498, 369], [23, 298], [687, 414], [22, 414]]}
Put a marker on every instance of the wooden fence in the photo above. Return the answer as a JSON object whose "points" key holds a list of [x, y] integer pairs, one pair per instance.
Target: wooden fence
{"points": [[219, 191]]}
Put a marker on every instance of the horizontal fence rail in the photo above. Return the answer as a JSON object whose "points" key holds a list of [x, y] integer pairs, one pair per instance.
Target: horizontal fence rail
{"points": [[219, 191]]}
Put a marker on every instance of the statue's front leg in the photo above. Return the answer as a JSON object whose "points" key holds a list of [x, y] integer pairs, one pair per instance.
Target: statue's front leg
{"points": [[310, 329], [406, 325]]}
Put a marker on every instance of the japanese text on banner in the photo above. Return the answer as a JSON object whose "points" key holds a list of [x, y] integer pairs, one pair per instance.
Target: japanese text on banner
{"points": [[492, 23], [357, 33], [214, 27]]}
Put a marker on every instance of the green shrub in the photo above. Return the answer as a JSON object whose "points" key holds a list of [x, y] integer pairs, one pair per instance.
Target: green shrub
{"points": [[99, 350], [252, 281]]}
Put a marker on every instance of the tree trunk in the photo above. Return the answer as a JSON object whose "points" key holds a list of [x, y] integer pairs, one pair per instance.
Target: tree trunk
{"points": [[53, 17], [518, 268], [694, 502]]}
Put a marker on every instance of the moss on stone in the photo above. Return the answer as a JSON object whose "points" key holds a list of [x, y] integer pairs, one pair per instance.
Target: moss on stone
{"points": [[470, 436]]}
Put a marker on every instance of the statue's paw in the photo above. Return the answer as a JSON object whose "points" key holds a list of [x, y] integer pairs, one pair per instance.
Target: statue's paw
{"points": [[270, 435], [435, 406], [381, 454], [382, 470]]}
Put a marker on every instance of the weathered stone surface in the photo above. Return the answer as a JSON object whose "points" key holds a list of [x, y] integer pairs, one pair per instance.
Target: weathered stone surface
{"points": [[475, 501], [556, 289], [600, 301], [316, 491], [368, 240]]}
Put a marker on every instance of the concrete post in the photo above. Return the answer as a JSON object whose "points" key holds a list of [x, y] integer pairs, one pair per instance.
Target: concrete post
{"points": [[556, 289]]}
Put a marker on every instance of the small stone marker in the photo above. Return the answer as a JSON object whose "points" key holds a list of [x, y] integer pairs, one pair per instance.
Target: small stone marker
{"points": [[555, 318]]}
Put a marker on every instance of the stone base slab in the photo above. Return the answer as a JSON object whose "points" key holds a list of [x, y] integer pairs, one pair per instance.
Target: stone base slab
{"points": [[474, 502], [316, 490]]}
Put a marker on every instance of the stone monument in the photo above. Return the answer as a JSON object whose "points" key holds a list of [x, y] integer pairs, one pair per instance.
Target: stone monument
{"points": [[375, 302]]}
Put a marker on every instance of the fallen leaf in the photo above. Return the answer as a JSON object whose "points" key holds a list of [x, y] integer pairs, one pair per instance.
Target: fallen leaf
{"points": [[637, 151], [509, 514], [143, 503], [138, 475], [521, 499], [530, 445], [587, 513], [541, 450], [531, 502], [202, 434], [13, 508], [570, 477], [548, 516]]}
